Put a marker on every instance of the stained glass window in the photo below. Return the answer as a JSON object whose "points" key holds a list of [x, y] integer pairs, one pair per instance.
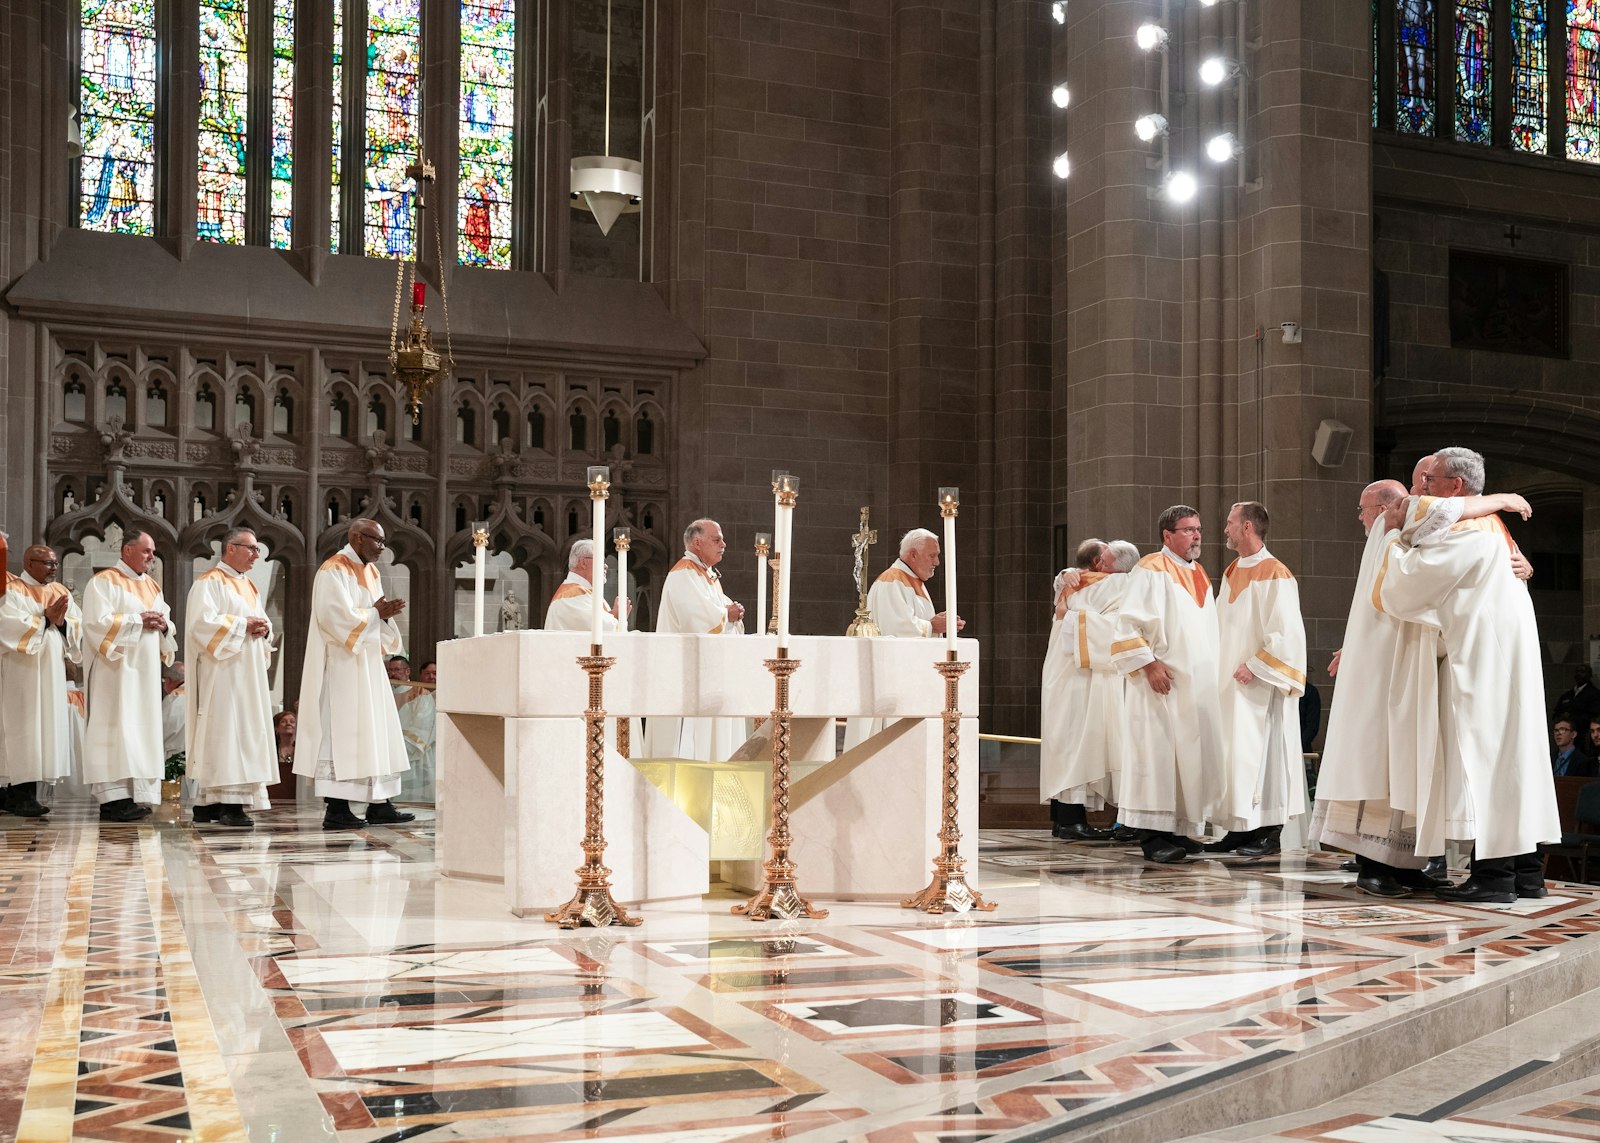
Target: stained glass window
{"points": [[393, 123], [1583, 80], [1530, 77], [338, 122], [1415, 59], [117, 105], [282, 197], [488, 71], [1474, 67], [224, 103]]}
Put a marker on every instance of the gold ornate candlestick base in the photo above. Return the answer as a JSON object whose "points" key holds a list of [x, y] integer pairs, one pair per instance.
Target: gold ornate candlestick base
{"points": [[949, 892], [625, 737], [592, 904], [779, 898]]}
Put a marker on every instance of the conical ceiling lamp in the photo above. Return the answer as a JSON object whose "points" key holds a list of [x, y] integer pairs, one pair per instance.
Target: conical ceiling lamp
{"points": [[605, 185]]}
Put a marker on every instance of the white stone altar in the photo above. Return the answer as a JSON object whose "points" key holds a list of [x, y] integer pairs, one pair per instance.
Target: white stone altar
{"points": [[511, 763]]}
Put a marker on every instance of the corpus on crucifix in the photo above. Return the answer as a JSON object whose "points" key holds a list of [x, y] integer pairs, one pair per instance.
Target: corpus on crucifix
{"points": [[863, 539]]}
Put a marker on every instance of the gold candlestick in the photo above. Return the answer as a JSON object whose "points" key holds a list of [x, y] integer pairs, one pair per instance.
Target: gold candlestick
{"points": [[949, 892], [779, 897], [865, 537], [592, 904], [622, 539]]}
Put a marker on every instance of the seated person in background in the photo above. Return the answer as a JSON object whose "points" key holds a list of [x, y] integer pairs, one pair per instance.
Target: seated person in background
{"points": [[1566, 760]]}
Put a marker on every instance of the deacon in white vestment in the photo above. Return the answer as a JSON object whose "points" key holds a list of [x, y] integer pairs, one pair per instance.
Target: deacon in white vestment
{"points": [[571, 607], [1082, 703], [41, 630], [901, 607], [1493, 727], [232, 754], [1366, 783], [127, 627], [348, 736], [693, 603], [1172, 777], [419, 717], [1262, 665]]}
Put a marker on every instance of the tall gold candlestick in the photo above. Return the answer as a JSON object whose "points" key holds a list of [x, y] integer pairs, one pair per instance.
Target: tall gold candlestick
{"points": [[592, 904], [779, 897], [949, 892]]}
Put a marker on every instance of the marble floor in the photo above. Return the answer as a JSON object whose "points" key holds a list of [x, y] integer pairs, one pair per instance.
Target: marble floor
{"points": [[162, 982]]}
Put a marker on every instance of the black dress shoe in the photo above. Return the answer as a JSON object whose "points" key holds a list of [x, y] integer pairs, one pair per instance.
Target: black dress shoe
{"points": [[384, 813], [1231, 841], [1080, 833], [338, 815], [1419, 879], [1381, 885], [204, 815], [1124, 834], [122, 810], [1262, 847], [1471, 892], [1538, 890], [1164, 850], [1187, 844], [1437, 868], [24, 804], [233, 815], [1351, 866]]}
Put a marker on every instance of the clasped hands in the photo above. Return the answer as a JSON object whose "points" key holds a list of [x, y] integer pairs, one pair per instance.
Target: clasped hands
{"points": [[153, 620], [389, 608]]}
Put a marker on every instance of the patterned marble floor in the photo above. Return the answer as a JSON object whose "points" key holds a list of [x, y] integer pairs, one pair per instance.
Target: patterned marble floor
{"points": [[160, 982]]}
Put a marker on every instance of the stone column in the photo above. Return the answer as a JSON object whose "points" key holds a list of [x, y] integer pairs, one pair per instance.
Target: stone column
{"points": [[313, 139], [177, 127]]}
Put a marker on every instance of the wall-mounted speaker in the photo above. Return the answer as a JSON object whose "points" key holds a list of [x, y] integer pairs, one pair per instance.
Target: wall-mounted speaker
{"points": [[1332, 442]]}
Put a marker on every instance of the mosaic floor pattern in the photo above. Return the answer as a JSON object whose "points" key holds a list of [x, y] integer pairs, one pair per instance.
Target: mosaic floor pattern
{"points": [[159, 982]]}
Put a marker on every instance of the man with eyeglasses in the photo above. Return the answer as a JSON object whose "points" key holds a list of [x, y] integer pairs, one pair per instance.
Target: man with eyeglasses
{"points": [[349, 738], [232, 755], [41, 629], [128, 627], [1493, 785], [1166, 642]]}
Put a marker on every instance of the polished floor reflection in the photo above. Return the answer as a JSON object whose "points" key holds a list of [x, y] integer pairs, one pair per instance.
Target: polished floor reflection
{"points": [[163, 982]]}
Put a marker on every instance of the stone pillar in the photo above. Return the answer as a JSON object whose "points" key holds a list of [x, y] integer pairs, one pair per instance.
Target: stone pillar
{"points": [[177, 127], [1591, 570], [1306, 258], [1016, 523], [312, 221]]}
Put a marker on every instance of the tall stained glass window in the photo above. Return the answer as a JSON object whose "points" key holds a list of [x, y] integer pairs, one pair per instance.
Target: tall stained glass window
{"points": [[488, 73], [393, 127], [338, 123], [1530, 77], [282, 196], [117, 107], [224, 109], [1474, 68], [1416, 102], [1583, 80]]}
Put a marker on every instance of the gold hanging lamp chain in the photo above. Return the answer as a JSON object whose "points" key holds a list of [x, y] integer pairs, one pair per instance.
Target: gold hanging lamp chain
{"points": [[444, 294], [399, 291]]}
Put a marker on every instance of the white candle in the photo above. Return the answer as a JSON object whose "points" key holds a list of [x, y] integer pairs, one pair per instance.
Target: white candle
{"points": [[789, 485], [763, 545], [597, 594], [948, 499], [479, 562], [622, 586]]}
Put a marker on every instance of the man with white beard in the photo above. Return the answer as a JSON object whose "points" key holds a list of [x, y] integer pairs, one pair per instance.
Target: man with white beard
{"points": [[1082, 736], [41, 630], [231, 753]]}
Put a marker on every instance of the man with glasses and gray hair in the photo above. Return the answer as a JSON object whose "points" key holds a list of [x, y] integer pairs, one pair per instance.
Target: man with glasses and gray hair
{"points": [[41, 630], [349, 738], [231, 753]]}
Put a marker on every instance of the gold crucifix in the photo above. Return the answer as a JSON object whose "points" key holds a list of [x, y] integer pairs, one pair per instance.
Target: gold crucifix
{"points": [[864, 538]]}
